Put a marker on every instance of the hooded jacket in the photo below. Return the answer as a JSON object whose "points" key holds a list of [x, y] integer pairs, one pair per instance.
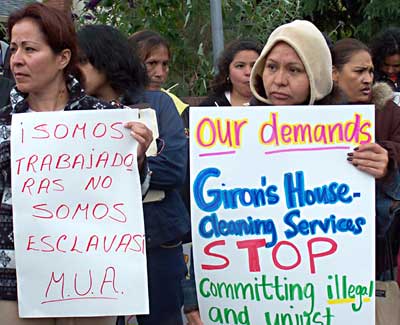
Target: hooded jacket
{"points": [[312, 49], [387, 134]]}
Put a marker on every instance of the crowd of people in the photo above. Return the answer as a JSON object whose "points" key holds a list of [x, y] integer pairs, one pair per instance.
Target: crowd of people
{"points": [[55, 68]]}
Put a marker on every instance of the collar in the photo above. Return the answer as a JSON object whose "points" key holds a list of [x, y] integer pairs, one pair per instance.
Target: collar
{"points": [[19, 103]]}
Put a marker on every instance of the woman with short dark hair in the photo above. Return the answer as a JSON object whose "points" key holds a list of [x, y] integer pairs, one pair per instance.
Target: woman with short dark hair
{"points": [[112, 72], [44, 59]]}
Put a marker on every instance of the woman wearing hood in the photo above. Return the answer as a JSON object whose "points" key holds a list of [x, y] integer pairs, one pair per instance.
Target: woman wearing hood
{"points": [[295, 68]]}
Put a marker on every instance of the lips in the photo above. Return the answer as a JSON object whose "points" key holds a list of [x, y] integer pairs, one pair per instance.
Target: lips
{"points": [[279, 95], [366, 91], [19, 75]]}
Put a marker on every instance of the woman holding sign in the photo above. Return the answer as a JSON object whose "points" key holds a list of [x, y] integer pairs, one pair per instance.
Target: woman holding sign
{"points": [[295, 68], [44, 64], [353, 73], [118, 76]]}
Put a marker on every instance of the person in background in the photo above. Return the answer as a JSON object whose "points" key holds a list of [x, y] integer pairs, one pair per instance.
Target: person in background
{"points": [[154, 52], [353, 72], [3, 52], [5, 87], [44, 63], [385, 51], [231, 85], [118, 76]]}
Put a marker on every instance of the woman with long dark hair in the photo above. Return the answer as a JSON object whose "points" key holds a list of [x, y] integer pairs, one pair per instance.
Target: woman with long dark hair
{"points": [[231, 85], [353, 72], [385, 51]]}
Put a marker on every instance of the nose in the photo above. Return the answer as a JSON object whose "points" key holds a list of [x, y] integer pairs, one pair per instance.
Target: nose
{"points": [[158, 71], [390, 69], [247, 70], [368, 77], [280, 78], [16, 58]]}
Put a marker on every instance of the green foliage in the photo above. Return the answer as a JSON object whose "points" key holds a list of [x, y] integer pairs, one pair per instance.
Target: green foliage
{"points": [[257, 19], [187, 27], [361, 19], [3, 31]]}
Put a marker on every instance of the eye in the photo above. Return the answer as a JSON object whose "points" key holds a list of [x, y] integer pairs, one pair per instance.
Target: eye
{"points": [[165, 64], [29, 49], [151, 63], [239, 66], [295, 70], [13, 49], [271, 67]]}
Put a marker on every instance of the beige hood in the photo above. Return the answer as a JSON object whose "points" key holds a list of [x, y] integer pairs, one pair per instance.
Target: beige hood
{"points": [[312, 49]]}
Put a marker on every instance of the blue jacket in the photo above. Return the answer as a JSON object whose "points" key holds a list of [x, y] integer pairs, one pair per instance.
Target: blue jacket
{"points": [[167, 221]]}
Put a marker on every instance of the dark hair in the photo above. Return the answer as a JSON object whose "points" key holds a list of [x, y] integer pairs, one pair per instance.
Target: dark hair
{"points": [[57, 28], [386, 43], [145, 41], [343, 50], [108, 50], [221, 83]]}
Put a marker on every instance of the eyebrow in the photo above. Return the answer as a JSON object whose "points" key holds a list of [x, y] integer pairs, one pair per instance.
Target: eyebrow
{"points": [[25, 42]]}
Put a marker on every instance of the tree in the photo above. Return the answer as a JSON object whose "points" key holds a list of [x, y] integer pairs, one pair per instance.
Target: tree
{"points": [[187, 28], [361, 19]]}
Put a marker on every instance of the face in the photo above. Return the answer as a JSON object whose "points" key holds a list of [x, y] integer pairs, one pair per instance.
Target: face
{"points": [[355, 77], [284, 77], [94, 80], [391, 65], [34, 64], [157, 66], [239, 72]]}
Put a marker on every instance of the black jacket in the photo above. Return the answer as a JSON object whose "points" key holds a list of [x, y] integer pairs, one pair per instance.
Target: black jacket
{"points": [[5, 88], [216, 100]]}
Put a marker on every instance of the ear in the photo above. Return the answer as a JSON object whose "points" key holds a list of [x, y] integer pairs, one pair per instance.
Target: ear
{"points": [[63, 58], [335, 74]]}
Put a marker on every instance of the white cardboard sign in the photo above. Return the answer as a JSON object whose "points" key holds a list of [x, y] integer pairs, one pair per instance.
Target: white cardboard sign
{"points": [[283, 225], [78, 218]]}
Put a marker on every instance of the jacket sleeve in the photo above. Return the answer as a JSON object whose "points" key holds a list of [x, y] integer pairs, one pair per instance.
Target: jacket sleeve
{"points": [[168, 168], [390, 120], [190, 302]]}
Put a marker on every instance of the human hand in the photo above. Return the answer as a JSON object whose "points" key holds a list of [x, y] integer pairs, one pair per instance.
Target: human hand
{"points": [[143, 135], [370, 158], [193, 318]]}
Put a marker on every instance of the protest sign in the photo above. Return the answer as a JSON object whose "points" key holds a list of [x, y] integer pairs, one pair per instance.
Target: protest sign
{"points": [[78, 218], [282, 224]]}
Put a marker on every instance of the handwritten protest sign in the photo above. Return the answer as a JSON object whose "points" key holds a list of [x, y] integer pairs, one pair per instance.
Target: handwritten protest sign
{"points": [[78, 218], [283, 225]]}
